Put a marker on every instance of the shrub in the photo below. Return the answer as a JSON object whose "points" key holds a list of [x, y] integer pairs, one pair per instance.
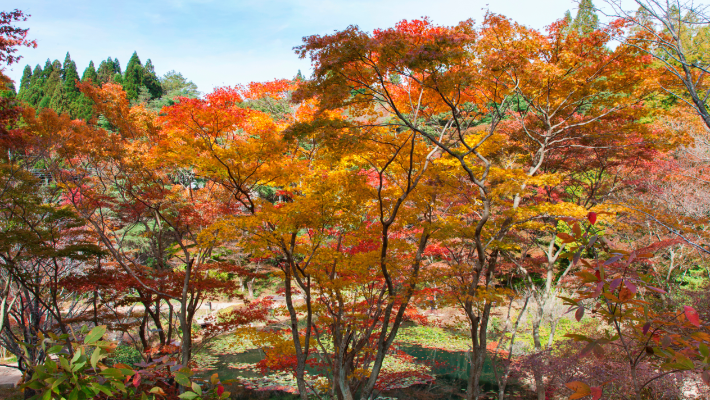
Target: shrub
{"points": [[125, 354]]}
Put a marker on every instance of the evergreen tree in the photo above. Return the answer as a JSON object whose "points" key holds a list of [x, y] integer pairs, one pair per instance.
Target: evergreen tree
{"points": [[117, 66], [84, 106], [59, 101], [67, 62], [90, 74], [144, 96], [118, 78], [568, 22], [587, 19], [50, 85], [25, 83], [71, 92], [35, 91], [150, 80], [47, 69], [106, 71], [133, 78], [568, 18]]}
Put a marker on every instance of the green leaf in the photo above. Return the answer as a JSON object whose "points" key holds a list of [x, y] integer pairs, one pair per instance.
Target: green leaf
{"points": [[55, 349], [95, 334], [62, 361], [196, 388], [58, 381], [112, 372], [101, 388], [77, 355], [182, 379], [188, 395], [74, 395], [676, 365], [78, 366], [95, 357], [704, 350]]}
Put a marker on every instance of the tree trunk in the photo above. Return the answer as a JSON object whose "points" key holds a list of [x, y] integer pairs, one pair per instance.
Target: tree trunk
{"points": [[185, 323], [537, 373], [477, 356], [141, 333], [250, 287]]}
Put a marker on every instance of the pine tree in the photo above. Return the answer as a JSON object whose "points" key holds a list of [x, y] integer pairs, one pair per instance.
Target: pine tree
{"points": [[117, 66], [118, 78], [59, 101], [35, 91], [150, 80], [90, 74], [71, 92], [587, 19], [47, 69], [25, 83], [84, 106], [50, 85], [67, 62], [106, 71], [133, 78], [568, 22]]}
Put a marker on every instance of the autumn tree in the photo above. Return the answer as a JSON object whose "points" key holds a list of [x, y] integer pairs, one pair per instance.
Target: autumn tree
{"points": [[146, 219], [470, 92], [675, 34]]}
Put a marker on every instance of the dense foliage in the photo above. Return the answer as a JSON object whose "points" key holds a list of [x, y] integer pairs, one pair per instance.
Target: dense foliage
{"points": [[546, 189]]}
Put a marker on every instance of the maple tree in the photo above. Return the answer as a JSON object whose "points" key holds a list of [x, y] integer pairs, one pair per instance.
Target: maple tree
{"points": [[500, 102], [419, 165], [144, 215], [621, 295], [334, 212]]}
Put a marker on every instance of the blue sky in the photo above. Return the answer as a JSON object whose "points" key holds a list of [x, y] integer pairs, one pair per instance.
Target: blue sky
{"points": [[218, 43]]}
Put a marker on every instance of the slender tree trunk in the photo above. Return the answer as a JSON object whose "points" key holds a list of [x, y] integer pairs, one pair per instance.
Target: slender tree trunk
{"points": [[537, 373], [170, 322], [503, 382], [477, 356], [250, 287], [141, 333], [553, 329], [301, 355], [155, 316], [185, 323]]}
